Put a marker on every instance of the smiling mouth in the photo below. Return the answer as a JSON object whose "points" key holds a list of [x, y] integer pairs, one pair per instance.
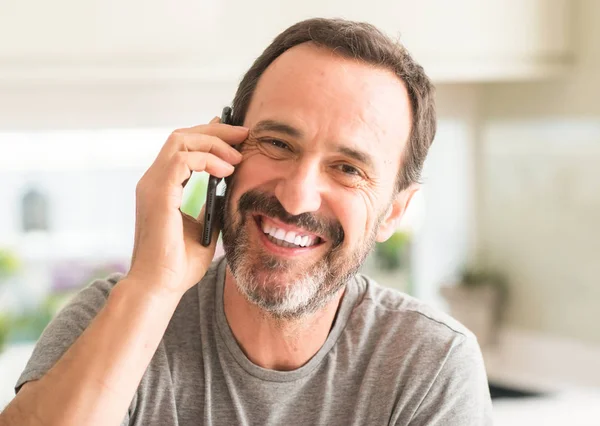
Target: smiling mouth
{"points": [[294, 239]]}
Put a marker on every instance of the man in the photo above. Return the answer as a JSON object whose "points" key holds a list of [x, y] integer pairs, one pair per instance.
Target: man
{"points": [[333, 122]]}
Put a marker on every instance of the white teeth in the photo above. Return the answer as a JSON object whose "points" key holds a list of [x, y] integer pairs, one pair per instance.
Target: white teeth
{"points": [[287, 239], [290, 237], [280, 234]]}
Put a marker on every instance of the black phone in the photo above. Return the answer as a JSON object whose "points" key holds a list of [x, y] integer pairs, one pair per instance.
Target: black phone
{"points": [[212, 199]]}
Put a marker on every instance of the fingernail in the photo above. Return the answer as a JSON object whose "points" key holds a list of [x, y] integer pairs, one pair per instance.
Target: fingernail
{"points": [[215, 120]]}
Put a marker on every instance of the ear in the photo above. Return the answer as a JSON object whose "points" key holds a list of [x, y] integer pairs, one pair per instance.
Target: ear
{"points": [[396, 210]]}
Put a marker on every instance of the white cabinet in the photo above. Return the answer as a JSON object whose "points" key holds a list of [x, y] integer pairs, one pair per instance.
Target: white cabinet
{"points": [[166, 63], [150, 40]]}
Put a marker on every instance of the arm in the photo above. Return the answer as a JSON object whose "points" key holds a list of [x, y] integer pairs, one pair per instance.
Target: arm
{"points": [[94, 381]]}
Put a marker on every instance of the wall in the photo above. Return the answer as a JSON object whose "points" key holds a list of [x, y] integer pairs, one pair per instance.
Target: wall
{"points": [[446, 232], [539, 198]]}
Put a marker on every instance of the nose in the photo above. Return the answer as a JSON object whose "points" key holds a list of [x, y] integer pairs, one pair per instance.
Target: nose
{"points": [[300, 190]]}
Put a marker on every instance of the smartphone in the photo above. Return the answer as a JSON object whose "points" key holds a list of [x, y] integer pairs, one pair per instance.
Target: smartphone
{"points": [[210, 211]]}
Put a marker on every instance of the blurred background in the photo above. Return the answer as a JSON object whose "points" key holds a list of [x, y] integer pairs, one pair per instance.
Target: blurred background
{"points": [[503, 235]]}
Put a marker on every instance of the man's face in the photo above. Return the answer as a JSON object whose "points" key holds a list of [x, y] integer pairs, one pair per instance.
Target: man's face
{"points": [[315, 189]]}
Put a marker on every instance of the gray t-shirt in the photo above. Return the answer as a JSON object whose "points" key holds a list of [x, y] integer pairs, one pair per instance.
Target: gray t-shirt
{"points": [[388, 360]]}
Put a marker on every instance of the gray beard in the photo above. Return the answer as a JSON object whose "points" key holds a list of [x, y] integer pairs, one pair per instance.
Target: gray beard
{"points": [[258, 274]]}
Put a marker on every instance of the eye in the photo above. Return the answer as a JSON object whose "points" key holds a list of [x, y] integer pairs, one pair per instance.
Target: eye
{"points": [[275, 148], [277, 143], [349, 170]]}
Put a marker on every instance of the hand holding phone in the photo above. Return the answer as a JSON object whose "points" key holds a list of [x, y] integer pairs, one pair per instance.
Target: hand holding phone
{"points": [[159, 219]]}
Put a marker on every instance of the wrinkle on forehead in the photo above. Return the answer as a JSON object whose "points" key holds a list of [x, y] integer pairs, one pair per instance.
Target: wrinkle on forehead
{"points": [[336, 99]]}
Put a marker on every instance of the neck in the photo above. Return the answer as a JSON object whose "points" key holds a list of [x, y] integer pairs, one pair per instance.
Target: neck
{"points": [[274, 343]]}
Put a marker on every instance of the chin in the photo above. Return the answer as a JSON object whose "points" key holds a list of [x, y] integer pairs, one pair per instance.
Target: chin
{"points": [[269, 272]]}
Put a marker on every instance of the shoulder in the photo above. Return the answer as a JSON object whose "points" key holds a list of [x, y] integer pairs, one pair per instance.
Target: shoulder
{"points": [[98, 291], [88, 301], [404, 332], [399, 311], [433, 363], [99, 288]]}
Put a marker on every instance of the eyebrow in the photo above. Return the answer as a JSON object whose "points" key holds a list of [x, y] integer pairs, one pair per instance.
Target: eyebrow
{"points": [[360, 156], [286, 129], [279, 127]]}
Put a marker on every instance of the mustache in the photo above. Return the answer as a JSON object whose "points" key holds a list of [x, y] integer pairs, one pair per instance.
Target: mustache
{"points": [[255, 201]]}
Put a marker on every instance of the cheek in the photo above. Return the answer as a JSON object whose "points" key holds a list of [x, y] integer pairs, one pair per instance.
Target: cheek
{"points": [[252, 173], [352, 213]]}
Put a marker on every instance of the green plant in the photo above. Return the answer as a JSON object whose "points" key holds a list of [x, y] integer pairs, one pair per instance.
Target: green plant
{"points": [[28, 326], [194, 194], [392, 254], [9, 263], [477, 276], [4, 330], [474, 277], [9, 266]]}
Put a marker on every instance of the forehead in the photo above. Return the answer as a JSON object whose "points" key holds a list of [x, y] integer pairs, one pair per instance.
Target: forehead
{"points": [[334, 99]]}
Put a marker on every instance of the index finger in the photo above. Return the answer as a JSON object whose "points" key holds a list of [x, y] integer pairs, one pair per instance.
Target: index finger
{"points": [[228, 133]]}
